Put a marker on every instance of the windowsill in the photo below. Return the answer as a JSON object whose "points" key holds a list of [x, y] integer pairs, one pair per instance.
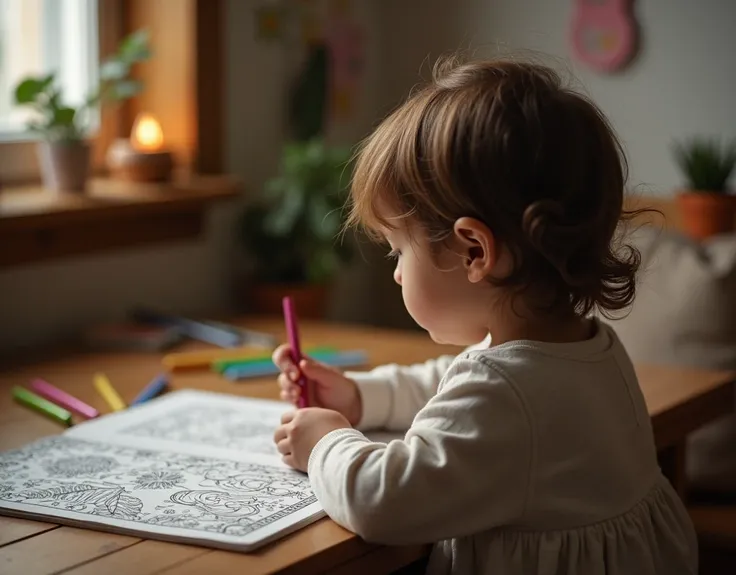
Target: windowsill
{"points": [[38, 224]]}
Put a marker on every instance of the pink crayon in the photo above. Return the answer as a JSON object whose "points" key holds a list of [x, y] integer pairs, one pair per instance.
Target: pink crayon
{"points": [[63, 399], [292, 331]]}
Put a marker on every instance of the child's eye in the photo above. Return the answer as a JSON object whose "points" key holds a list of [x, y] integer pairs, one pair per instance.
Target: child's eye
{"points": [[393, 254]]}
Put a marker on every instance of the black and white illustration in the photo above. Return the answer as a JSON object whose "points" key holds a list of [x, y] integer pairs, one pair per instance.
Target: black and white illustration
{"points": [[200, 421], [197, 422], [224, 502], [227, 427]]}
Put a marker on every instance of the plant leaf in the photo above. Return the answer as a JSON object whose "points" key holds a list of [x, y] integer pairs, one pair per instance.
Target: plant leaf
{"points": [[705, 163], [110, 501], [28, 90], [282, 221], [125, 89], [324, 221], [114, 69], [124, 506], [59, 492], [93, 99], [135, 48], [64, 116], [291, 231], [53, 102]]}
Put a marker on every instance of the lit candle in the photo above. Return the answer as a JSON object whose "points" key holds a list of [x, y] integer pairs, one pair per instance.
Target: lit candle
{"points": [[142, 157], [147, 135]]}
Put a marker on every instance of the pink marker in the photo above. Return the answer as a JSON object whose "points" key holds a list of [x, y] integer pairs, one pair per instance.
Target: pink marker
{"points": [[292, 332], [63, 399]]}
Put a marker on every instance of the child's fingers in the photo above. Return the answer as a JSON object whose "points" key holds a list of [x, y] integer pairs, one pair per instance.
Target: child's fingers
{"points": [[284, 382], [280, 434], [282, 359], [292, 396], [284, 447], [317, 371], [287, 384], [289, 391]]}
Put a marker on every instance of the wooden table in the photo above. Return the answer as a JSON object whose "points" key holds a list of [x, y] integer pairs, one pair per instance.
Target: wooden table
{"points": [[679, 401]]}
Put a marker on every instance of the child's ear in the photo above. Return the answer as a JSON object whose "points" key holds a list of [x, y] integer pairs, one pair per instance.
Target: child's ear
{"points": [[477, 246]]}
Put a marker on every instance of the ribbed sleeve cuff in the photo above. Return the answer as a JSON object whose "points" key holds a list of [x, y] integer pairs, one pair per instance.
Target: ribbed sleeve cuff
{"points": [[376, 395], [324, 444]]}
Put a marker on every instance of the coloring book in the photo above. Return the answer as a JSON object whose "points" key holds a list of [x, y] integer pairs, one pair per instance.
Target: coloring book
{"points": [[191, 467]]}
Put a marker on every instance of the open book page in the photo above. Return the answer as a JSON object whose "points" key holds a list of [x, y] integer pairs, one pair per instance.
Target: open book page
{"points": [[219, 502], [197, 423], [190, 466], [138, 472], [201, 422]]}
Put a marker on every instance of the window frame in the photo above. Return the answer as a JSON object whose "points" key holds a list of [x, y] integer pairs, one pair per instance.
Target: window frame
{"points": [[44, 225], [20, 165]]}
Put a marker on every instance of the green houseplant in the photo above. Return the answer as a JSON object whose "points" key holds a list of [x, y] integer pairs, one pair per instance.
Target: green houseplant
{"points": [[290, 229], [63, 153], [706, 206]]}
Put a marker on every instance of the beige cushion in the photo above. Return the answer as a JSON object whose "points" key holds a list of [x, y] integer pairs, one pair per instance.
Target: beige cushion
{"points": [[685, 314]]}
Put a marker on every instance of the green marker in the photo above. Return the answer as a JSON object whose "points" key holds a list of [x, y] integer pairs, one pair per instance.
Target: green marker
{"points": [[220, 365], [38, 403]]}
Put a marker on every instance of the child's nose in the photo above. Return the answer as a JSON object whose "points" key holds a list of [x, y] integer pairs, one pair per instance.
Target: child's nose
{"points": [[397, 275]]}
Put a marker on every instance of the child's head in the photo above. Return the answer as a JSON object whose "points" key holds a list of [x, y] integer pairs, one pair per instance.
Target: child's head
{"points": [[500, 182]]}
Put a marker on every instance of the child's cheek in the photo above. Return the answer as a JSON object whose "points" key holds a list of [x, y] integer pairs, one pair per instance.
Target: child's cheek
{"points": [[420, 298]]}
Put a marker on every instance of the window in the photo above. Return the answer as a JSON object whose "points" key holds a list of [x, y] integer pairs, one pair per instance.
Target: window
{"points": [[41, 36]]}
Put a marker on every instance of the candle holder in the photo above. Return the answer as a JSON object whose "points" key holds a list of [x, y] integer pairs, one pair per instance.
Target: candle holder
{"points": [[142, 157]]}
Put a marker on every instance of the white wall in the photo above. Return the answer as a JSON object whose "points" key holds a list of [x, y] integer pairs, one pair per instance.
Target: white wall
{"points": [[682, 83], [45, 302]]}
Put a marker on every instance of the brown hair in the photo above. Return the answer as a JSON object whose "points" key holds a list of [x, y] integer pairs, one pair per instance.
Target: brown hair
{"points": [[505, 142]]}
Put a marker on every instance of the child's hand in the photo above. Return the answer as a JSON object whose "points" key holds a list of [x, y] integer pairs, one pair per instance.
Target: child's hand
{"points": [[301, 430], [329, 387]]}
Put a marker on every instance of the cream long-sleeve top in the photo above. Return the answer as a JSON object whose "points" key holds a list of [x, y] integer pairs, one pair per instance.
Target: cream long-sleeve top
{"points": [[521, 458]]}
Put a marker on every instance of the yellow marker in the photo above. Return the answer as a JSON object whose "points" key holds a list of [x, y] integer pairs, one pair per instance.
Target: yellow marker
{"points": [[204, 358], [108, 393]]}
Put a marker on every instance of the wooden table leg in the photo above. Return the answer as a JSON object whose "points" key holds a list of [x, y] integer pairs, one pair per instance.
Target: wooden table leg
{"points": [[672, 462]]}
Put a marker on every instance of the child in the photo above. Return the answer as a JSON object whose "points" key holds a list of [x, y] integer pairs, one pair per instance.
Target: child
{"points": [[499, 192]]}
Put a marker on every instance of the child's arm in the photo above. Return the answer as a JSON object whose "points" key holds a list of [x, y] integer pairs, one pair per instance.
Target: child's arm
{"points": [[393, 394], [463, 467]]}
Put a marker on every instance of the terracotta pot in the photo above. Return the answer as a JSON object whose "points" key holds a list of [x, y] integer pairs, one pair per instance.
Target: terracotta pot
{"points": [[706, 214], [310, 299], [64, 165]]}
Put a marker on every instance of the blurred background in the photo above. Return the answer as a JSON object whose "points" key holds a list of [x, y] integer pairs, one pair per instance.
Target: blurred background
{"points": [[269, 95], [192, 157]]}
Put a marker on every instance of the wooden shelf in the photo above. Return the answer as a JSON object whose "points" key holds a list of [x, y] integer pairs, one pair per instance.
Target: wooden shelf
{"points": [[38, 224]]}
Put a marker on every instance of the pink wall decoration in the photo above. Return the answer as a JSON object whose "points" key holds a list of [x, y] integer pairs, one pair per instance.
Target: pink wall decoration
{"points": [[604, 33], [344, 39]]}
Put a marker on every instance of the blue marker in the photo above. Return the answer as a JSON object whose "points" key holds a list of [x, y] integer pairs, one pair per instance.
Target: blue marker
{"points": [[338, 359], [151, 390]]}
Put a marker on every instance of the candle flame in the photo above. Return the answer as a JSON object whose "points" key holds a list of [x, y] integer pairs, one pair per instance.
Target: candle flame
{"points": [[147, 135]]}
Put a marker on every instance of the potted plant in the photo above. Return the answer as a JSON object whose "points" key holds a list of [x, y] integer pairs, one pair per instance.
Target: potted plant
{"points": [[63, 152], [706, 207], [291, 230]]}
